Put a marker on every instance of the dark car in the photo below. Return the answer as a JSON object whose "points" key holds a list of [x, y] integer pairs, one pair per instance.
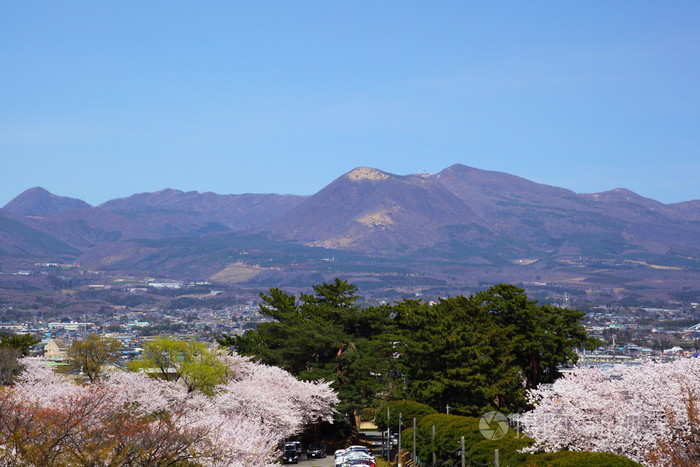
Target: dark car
{"points": [[291, 453], [317, 450]]}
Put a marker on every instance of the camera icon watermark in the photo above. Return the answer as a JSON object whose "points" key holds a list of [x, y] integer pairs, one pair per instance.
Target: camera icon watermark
{"points": [[493, 425]]}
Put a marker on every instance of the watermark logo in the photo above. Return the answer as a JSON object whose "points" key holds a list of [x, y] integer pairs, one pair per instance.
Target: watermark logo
{"points": [[493, 425]]}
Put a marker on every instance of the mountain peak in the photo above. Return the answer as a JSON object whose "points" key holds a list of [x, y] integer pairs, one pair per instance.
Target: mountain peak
{"points": [[622, 195], [38, 201], [37, 190], [366, 173]]}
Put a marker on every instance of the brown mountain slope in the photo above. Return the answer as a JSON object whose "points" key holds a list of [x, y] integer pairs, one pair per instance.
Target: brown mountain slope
{"points": [[173, 213], [72, 220], [688, 210], [20, 239], [88, 227], [458, 228], [37, 202], [565, 222], [372, 211]]}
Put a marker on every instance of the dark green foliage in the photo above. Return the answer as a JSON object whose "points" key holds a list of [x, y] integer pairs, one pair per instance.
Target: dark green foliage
{"points": [[407, 409], [130, 301], [543, 337], [579, 459], [325, 335], [456, 355], [10, 367], [21, 342], [508, 449], [469, 353], [449, 429]]}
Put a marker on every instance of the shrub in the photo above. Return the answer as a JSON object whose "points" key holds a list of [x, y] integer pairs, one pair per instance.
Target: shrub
{"points": [[407, 409], [579, 459]]}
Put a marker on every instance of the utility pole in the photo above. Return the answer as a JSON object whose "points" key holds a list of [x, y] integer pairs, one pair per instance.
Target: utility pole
{"points": [[388, 436], [383, 443], [413, 455], [399, 451], [463, 454], [433, 446]]}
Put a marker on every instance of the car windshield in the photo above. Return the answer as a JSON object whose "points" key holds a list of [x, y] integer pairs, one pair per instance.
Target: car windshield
{"points": [[289, 447], [315, 446]]}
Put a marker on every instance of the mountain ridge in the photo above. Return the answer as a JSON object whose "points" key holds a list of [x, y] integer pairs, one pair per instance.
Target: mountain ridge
{"points": [[38, 201], [458, 226]]}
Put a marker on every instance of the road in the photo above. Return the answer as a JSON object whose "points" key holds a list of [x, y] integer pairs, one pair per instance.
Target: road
{"points": [[327, 462]]}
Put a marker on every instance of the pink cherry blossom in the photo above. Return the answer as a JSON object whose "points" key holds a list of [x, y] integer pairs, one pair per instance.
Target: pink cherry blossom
{"points": [[627, 410], [241, 425]]}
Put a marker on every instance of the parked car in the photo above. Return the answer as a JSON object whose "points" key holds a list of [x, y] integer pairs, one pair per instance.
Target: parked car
{"points": [[370, 462], [291, 452], [316, 450], [358, 448], [339, 457], [297, 446], [354, 456]]}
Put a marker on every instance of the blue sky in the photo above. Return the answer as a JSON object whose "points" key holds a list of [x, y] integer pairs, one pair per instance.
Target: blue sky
{"points": [[101, 100]]}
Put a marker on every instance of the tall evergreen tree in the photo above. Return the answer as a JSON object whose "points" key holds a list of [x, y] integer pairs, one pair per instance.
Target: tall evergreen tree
{"points": [[324, 335], [543, 336], [455, 355], [472, 353]]}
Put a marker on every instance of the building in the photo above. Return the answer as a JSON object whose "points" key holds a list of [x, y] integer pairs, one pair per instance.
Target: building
{"points": [[80, 327], [56, 349]]}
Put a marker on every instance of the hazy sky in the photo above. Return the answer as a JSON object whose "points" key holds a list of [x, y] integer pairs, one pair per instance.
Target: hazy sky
{"points": [[103, 99]]}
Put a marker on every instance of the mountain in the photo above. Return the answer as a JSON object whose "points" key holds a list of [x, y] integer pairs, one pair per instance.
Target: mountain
{"points": [[38, 202], [466, 224], [481, 214], [173, 213], [86, 228], [688, 210], [19, 239], [558, 219], [164, 214], [458, 228], [372, 211]]}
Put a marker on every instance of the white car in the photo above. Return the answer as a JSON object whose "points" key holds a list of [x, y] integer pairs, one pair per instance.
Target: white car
{"points": [[354, 456], [339, 456], [358, 448]]}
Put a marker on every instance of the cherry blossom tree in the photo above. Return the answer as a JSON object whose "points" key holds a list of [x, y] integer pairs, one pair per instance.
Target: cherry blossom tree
{"points": [[647, 413], [86, 425], [131, 418]]}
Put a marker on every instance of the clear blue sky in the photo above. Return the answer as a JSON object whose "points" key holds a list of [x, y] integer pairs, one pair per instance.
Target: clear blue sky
{"points": [[103, 99]]}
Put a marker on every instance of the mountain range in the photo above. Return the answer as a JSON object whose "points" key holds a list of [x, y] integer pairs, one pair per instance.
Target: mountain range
{"points": [[446, 233]]}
